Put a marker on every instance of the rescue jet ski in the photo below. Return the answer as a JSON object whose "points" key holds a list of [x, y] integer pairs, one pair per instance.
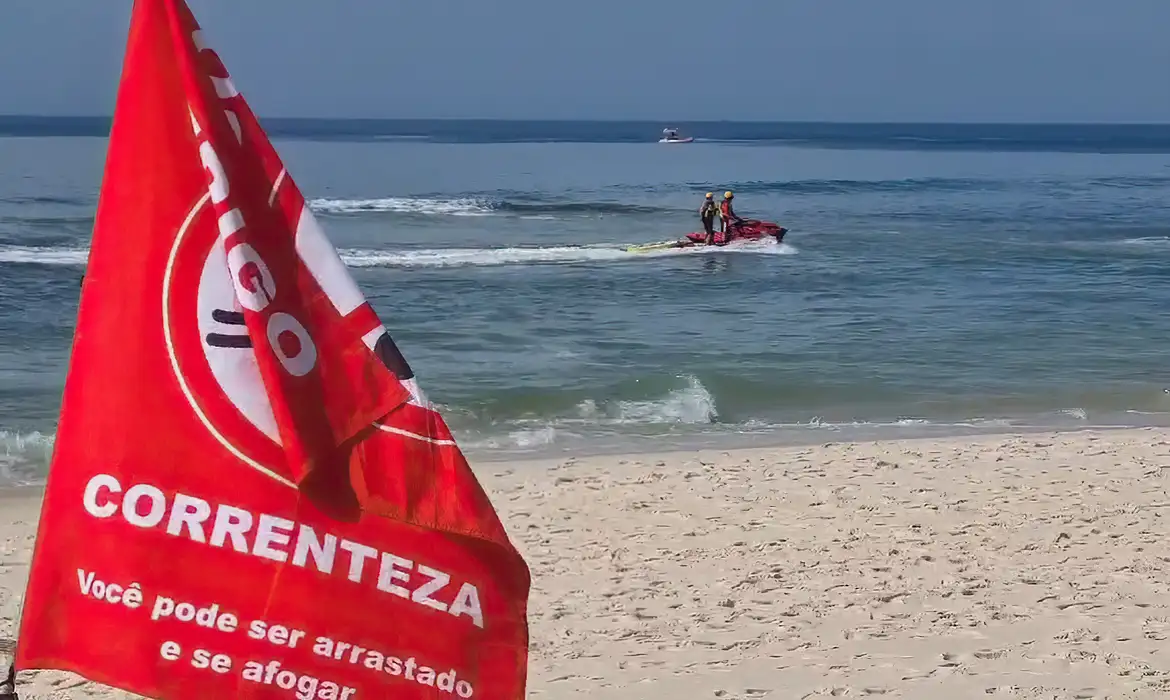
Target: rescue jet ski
{"points": [[745, 230]]}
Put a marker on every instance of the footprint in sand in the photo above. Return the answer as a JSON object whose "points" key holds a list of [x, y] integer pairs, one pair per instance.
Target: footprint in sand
{"points": [[67, 683], [1002, 689], [950, 661]]}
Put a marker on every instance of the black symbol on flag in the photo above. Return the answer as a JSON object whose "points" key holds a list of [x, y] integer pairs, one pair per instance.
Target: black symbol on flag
{"points": [[236, 340], [385, 348]]}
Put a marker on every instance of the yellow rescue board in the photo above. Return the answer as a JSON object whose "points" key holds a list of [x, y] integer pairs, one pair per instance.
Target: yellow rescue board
{"points": [[649, 247]]}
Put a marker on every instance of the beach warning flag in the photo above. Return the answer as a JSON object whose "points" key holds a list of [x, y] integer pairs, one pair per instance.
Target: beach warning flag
{"points": [[249, 496]]}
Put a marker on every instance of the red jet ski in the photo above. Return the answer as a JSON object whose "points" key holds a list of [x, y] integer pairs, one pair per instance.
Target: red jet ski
{"points": [[745, 230]]}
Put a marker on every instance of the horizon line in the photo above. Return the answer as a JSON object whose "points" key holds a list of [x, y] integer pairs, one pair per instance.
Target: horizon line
{"points": [[613, 120]]}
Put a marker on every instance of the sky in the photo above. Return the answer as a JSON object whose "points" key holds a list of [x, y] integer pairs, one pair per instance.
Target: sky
{"points": [[671, 60]]}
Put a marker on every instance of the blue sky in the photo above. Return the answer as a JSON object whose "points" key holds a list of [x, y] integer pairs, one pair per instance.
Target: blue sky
{"points": [[839, 60]]}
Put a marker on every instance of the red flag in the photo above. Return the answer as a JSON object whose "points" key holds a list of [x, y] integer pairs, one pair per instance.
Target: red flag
{"points": [[250, 497]]}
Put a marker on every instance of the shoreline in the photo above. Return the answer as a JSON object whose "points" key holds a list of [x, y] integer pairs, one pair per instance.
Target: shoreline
{"points": [[682, 446], [786, 438], [1016, 565], [767, 437]]}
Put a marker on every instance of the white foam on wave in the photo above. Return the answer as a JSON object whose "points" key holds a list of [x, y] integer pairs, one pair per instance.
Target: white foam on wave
{"points": [[519, 440], [444, 257], [43, 255], [817, 423], [693, 408], [24, 457], [1140, 244], [461, 206], [440, 257], [691, 404], [1152, 241], [460, 257], [766, 248], [482, 257], [760, 247]]}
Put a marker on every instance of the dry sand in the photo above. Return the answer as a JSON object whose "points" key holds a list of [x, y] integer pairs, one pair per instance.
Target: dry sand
{"points": [[1016, 566]]}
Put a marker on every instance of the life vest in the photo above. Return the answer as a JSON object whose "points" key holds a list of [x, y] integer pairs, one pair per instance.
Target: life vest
{"points": [[725, 210], [708, 210]]}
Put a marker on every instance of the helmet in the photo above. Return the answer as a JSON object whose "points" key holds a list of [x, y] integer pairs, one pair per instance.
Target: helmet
{"points": [[728, 195], [709, 195]]}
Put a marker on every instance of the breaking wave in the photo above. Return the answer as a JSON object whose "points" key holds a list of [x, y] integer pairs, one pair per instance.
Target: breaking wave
{"points": [[472, 206], [24, 457], [43, 255], [462, 206], [480, 257], [690, 404], [436, 257]]}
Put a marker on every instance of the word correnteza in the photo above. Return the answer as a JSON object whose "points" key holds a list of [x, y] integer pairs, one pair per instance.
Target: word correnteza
{"points": [[280, 540]]}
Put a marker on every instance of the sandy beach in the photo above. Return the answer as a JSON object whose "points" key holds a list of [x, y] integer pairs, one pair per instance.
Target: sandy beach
{"points": [[1027, 566]]}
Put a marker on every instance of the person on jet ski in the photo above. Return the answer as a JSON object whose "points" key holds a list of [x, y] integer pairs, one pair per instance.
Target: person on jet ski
{"points": [[707, 213], [727, 217]]}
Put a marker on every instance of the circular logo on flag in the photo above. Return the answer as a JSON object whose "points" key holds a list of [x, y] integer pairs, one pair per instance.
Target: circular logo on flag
{"points": [[210, 349]]}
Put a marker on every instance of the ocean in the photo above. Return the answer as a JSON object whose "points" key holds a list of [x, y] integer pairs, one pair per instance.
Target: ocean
{"points": [[936, 279]]}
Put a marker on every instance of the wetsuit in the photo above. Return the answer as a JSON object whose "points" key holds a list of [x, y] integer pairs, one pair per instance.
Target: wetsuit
{"points": [[707, 214]]}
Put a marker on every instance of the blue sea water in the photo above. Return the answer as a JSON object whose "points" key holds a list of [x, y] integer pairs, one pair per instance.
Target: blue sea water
{"points": [[936, 278]]}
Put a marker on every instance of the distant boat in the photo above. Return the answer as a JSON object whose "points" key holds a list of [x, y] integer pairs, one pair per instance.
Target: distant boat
{"points": [[671, 136]]}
